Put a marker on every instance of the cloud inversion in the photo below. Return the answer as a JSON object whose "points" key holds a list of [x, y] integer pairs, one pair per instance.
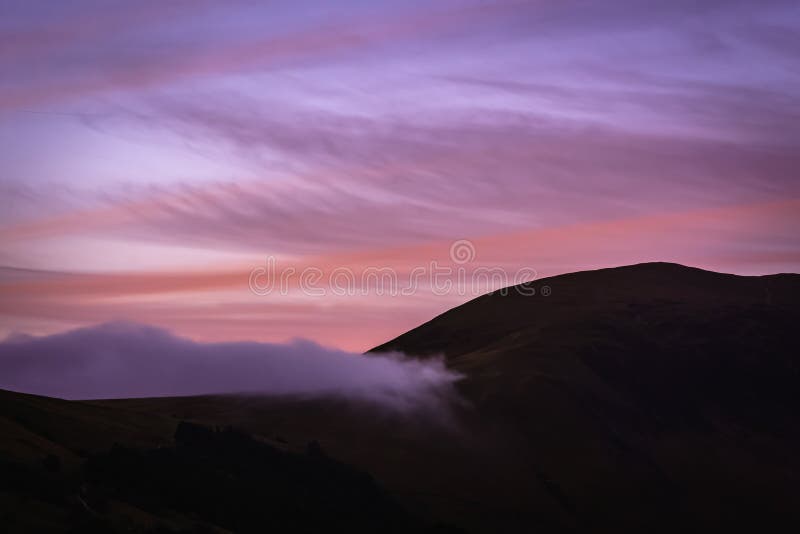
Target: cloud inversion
{"points": [[121, 360]]}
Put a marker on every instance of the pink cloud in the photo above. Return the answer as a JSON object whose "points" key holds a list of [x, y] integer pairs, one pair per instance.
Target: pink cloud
{"points": [[749, 239], [555, 135]]}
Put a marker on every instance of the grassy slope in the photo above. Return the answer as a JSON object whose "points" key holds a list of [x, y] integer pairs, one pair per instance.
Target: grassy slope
{"points": [[34, 426], [643, 392], [437, 470], [150, 483]]}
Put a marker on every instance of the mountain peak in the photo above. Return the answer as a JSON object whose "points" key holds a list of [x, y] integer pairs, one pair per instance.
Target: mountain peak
{"points": [[593, 296]]}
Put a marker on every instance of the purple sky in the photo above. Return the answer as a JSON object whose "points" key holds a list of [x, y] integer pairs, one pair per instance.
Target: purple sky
{"points": [[153, 153]]}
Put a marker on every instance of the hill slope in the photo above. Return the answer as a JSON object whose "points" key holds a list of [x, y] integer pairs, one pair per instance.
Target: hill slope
{"points": [[71, 466], [653, 397], [651, 331], [639, 393]]}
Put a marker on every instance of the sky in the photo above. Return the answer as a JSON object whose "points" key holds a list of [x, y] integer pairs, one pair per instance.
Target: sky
{"points": [[162, 162]]}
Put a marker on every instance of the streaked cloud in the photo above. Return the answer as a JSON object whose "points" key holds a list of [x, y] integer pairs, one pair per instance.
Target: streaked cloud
{"points": [[156, 152]]}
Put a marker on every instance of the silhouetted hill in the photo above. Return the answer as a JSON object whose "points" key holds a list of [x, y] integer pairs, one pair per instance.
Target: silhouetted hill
{"points": [[654, 397], [644, 393], [648, 398]]}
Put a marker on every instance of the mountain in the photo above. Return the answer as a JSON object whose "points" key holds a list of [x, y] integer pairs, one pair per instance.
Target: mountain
{"points": [[653, 397], [641, 397], [663, 335]]}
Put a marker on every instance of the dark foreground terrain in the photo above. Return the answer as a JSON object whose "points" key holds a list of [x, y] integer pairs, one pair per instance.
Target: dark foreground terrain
{"points": [[201, 479], [653, 397]]}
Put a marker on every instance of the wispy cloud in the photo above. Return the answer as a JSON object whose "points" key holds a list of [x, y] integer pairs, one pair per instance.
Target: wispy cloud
{"points": [[217, 304], [179, 144], [432, 177]]}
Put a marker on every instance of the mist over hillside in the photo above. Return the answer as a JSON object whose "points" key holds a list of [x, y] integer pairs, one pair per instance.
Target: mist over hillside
{"points": [[118, 360]]}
